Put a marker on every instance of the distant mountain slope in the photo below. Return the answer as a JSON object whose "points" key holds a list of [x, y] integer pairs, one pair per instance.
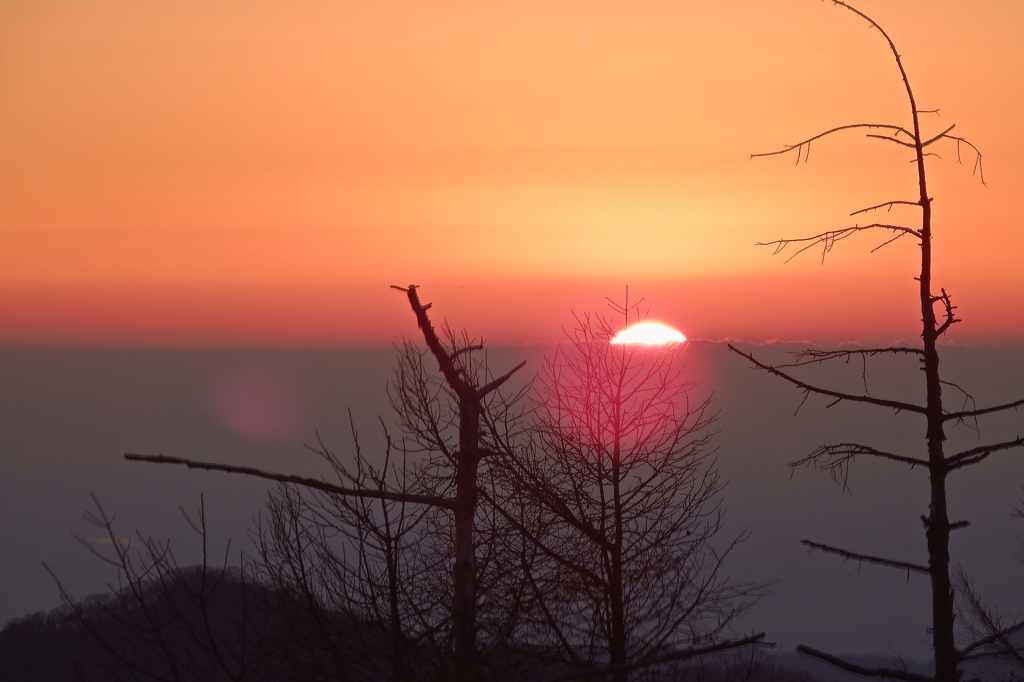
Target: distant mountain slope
{"points": [[207, 627], [240, 635], [41, 647]]}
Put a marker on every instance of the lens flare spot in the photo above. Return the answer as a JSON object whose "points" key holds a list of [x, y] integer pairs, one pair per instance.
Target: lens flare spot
{"points": [[257, 405], [649, 334]]}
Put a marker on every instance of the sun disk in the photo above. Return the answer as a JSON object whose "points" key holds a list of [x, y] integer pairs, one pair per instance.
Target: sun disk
{"points": [[649, 334]]}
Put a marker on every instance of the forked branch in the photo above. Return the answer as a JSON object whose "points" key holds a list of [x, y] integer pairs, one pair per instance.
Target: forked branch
{"points": [[803, 148], [445, 359], [915, 111], [927, 142]]}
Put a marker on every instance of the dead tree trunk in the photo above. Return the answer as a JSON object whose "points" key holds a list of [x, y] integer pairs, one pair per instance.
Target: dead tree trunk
{"points": [[467, 460], [464, 508], [937, 534], [836, 458], [617, 641], [464, 570]]}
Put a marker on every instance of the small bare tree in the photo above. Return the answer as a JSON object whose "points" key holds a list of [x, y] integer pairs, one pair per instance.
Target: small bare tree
{"points": [[162, 622], [341, 587], [297, 610], [999, 648], [457, 419], [329, 557], [836, 458], [622, 500]]}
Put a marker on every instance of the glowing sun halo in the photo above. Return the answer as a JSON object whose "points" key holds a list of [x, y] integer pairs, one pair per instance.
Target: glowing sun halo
{"points": [[649, 334]]}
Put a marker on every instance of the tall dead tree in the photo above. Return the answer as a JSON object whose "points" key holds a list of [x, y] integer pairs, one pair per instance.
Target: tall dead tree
{"points": [[471, 390], [837, 457], [470, 396]]}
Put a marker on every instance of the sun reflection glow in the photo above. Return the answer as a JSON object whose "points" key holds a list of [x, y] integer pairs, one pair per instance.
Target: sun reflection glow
{"points": [[649, 334]]}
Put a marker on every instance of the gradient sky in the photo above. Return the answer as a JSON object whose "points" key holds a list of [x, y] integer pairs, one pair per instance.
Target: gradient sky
{"points": [[221, 172]]}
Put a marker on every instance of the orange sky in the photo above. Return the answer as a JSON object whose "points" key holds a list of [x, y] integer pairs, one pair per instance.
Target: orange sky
{"points": [[257, 172]]}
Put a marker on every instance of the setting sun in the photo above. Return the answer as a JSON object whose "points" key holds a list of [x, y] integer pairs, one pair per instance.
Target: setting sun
{"points": [[649, 334]]}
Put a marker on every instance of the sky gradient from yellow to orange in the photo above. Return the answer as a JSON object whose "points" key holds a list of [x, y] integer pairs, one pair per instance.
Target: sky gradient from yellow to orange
{"points": [[222, 172]]}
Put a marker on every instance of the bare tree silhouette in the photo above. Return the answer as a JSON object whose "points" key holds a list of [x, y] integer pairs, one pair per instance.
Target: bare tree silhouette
{"points": [[294, 611], [583, 522], [455, 435], [997, 648], [620, 494], [324, 555], [162, 622], [835, 459]]}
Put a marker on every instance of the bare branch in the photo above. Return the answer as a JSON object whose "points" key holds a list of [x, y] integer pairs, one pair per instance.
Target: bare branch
{"points": [[467, 349], [992, 639], [986, 410], [854, 556], [896, 55], [830, 238], [884, 673], [811, 356], [444, 360], [800, 145], [888, 205], [886, 243], [968, 398], [894, 404], [979, 169], [986, 625], [495, 384], [944, 133], [975, 455], [949, 308], [889, 138], [313, 483], [835, 459]]}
